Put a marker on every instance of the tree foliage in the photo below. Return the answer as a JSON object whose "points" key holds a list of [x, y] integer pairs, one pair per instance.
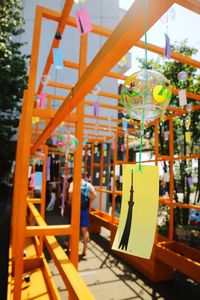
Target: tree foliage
{"points": [[13, 70]]}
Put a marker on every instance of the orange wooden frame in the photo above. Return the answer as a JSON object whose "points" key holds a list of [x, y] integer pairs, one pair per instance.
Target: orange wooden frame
{"points": [[118, 43]]}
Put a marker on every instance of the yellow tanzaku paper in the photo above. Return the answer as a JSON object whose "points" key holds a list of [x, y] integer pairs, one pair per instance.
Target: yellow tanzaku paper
{"points": [[143, 211]]}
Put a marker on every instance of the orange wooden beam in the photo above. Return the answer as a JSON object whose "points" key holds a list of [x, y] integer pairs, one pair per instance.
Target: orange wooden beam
{"points": [[60, 28], [192, 5]]}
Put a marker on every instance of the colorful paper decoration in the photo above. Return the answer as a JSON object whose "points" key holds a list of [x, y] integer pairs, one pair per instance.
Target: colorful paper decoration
{"points": [[167, 50], [83, 21], [96, 108], [104, 153], [190, 182], [57, 58], [148, 91], [105, 147], [103, 180], [187, 122], [54, 140], [138, 218], [182, 97], [169, 16], [42, 98]]}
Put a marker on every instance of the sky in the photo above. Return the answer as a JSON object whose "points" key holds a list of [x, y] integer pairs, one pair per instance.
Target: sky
{"points": [[185, 25]]}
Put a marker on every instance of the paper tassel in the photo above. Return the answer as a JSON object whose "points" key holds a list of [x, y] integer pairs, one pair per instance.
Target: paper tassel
{"points": [[57, 58], [83, 21], [96, 108], [167, 50], [42, 100], [182, 97], [122, 148]]}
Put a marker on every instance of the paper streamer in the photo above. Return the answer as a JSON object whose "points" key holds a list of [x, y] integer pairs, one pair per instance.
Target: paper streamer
{"points": [[63, 197], [83, 21], [32, 181], [182, 97], [113, 146], [166, 135], [57, 58], [42, 100], [138, 217], [167, 49], [124, 124], [188, 137], [48, 165], [54, 140], [190, 182], [96, 108]]}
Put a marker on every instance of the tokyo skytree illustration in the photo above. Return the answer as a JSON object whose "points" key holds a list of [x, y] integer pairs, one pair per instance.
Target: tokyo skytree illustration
{"points": [[127, 229]]}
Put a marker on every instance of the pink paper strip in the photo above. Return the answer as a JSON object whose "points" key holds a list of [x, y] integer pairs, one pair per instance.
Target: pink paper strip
{"points": [[42, 100], [32, 181], [83, 21]]}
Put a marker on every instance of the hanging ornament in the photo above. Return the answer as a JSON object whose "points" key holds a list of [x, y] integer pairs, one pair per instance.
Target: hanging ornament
{"points": [[187, 122], [163, 118], [169, 16], [79, 1], [96, 89], [67, 143], [189, 107], [182, 76], [157, 90], [45, 79]]}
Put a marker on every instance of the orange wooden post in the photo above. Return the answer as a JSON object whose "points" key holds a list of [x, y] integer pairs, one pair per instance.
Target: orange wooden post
{"points": [[74, 240], [23, 160]]}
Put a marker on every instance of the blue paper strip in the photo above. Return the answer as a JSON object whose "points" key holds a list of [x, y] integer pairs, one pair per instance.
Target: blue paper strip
{"points": [[57, 58]]}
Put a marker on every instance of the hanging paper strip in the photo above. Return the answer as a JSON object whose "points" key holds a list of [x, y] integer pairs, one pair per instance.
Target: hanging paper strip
{"points": [[54, 140], [188, 137], [182, 97], [57, 58], [190, 182], [83, 21], [167, 50], [166, 135], [105, 147], [124, 124], [113, 146], [96, 108], [63, 197], [48, 165], [32, 181], [138, 217], [42, 100]]}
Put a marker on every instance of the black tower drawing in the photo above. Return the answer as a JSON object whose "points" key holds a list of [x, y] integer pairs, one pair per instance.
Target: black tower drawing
{"points": [[81, 26], [127, 229]]}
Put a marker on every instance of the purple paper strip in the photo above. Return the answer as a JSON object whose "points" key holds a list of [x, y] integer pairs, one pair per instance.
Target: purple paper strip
{"points": [[48, 164], [96, 108], [190, 182], [167, 50]]}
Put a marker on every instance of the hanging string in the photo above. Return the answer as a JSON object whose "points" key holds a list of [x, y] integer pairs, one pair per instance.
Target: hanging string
{"points": [[140, 169]]}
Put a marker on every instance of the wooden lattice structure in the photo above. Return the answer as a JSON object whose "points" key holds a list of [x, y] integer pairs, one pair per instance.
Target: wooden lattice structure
{"points": [[166, 253]]}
